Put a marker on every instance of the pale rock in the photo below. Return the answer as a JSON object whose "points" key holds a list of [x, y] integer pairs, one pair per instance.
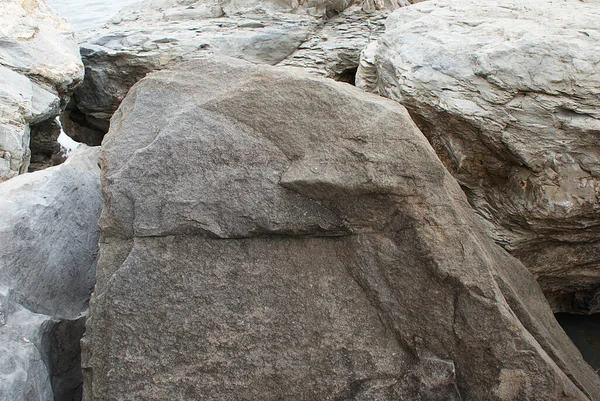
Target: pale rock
{"points": [[325, 37], [49, 235], [39, 67], [23, 374], [268, 234], [508, 93]]}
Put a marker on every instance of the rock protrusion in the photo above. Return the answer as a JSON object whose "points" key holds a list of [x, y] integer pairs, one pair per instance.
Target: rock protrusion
{"points": [[508, 96]]}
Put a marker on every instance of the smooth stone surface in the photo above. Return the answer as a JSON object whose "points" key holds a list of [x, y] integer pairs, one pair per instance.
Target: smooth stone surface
{"points": [[508, 94], [49, 235], [268, 234]]}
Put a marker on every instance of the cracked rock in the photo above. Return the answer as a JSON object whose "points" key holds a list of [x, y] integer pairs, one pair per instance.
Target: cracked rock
{"points": [[508, 96], [269, 234]]}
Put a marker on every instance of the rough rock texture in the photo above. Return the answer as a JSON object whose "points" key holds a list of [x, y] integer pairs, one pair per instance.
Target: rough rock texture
{"points": [[268, 234], [39, 67], [156, 33], [508, 95], [49, 235]]}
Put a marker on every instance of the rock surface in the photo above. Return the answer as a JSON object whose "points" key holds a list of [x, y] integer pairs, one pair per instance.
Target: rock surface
{"points": [[508, 95], [267, 234], [23, 374], [49, 235], [48, 255], [325, 37], [39, 67]]}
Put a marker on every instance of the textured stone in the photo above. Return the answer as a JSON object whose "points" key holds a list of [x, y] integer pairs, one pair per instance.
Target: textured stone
{"points": [[508, 94], [39, 67], [49, 235], [323, 36], [268, 234]]}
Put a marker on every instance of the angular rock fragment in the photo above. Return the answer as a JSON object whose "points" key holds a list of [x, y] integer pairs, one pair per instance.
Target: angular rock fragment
{"points": [[268, 234], [507, 93]]}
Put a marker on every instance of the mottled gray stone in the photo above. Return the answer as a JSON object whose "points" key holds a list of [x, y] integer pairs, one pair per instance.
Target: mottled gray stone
{"points": [[49, 235], [268, 234]]}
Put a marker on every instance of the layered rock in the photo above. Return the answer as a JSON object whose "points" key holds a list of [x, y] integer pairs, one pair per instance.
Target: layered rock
{"points": [[268, 234], [48, 254], [324, 36], [508, 96], [39, 67]]}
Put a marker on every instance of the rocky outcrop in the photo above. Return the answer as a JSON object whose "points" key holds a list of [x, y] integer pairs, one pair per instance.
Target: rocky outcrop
{"points": [[268, 234], [508, 96], [39, 67], [48, 254], [323, 36]]}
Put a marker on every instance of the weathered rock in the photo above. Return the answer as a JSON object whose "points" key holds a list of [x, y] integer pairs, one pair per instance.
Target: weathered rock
{"points": [[39, 67], [323, 36], [49, 235], [268, 234], [23, 374], [44, 145], [508, 96]]}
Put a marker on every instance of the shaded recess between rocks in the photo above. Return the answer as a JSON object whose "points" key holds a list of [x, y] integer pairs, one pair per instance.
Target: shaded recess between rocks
{"points": [[268, 234]]}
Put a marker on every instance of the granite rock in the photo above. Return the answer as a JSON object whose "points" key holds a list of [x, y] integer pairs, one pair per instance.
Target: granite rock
{"points": [[49, 235], [507, 93], [268, 234]]}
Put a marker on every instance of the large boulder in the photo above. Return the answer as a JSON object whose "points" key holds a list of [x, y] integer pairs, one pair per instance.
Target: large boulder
{"points": [[268, 234], [48, 255], [324, 36], [39, 67], [508, 93], [49, 235]]}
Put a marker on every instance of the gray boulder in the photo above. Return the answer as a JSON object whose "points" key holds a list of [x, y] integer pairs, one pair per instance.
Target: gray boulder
{"points": [[507, 93], [49, 235], [267, 234], [39, 67], [323, 36], [48, 255]]}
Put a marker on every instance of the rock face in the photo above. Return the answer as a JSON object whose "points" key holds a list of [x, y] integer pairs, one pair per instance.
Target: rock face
{"points": [[324, 36], [508, 96], [48, 254], [39, 67], [268, 234]]}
